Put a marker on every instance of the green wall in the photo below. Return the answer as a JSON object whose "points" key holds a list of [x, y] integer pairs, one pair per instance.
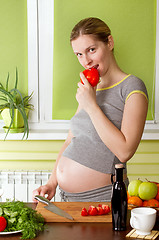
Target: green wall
{"points": [[133, 25], [13, 42], [144, 163]]}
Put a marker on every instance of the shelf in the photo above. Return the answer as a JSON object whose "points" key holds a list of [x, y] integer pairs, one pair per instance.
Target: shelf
{"points": [[37, 135], [151, 132]]}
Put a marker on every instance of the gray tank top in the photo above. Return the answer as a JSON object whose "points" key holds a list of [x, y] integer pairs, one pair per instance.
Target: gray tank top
{"points": [[86, 146]]}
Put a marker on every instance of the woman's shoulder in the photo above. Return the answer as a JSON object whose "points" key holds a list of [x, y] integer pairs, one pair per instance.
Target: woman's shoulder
{"points": [[133, 84], [133, 80]]}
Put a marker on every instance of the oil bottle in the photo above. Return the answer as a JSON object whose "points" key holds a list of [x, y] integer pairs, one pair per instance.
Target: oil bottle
{"points": [[119, 200]]}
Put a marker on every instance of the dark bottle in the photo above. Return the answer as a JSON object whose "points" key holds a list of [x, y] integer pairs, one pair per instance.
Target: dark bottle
{"points": [[119, 200]]}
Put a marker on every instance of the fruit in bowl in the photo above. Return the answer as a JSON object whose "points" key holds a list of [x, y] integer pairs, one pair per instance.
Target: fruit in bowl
{"points": [[136, 201], [157, 196], [133, 187], [144, 194], [147, 190], [151, 203]]}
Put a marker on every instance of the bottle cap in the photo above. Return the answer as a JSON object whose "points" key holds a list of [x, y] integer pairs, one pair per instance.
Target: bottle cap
{"points": [[119, 165]]}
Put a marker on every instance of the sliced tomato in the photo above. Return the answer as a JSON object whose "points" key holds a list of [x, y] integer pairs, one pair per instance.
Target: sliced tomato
{"points": [[84, 212]]}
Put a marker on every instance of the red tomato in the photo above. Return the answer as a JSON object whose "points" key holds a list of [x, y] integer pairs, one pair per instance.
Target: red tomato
{"points": [[3, 223], [106, 208], [84, 212], [92, 76], [100, 211], [157, 196], [92, 211]]}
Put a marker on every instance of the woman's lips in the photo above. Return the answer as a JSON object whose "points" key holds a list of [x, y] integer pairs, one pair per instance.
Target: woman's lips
{"points": [[95, 66]]}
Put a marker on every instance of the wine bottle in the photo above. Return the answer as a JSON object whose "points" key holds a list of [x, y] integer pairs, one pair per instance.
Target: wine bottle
{"points": [[119, 200]]}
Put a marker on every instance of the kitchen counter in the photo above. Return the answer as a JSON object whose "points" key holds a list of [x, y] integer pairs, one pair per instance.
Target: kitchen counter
{"points": [[79, 231]]}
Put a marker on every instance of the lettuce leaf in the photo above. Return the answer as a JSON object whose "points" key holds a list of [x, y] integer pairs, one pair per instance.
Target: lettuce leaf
{"points": [[21, 217]]}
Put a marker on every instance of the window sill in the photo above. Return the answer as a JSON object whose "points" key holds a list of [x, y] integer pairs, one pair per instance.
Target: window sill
{"points": [[37, 135], [55, 130], [151, 131], [60, 131]]}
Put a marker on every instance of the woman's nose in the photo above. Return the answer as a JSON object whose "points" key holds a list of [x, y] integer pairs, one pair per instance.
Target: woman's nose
{"points": [[87, 61]]}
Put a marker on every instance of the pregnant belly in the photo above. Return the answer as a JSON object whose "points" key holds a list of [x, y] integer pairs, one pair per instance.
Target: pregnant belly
{"points": [[74, 177]]}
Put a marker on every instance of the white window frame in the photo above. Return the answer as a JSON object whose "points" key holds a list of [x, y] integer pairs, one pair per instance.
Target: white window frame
{"points": [[41, 12], [40, 19], [40, 76], [151, 131]]}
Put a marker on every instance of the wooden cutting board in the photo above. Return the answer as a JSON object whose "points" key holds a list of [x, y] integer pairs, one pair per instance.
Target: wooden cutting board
{"points": [[74, 209]]}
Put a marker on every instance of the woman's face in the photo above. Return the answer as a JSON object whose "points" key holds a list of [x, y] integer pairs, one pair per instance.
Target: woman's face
{"points": [[93, 53]]}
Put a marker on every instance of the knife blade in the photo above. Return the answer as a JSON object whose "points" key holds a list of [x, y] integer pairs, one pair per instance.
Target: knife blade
{"points": [[51, 207]]}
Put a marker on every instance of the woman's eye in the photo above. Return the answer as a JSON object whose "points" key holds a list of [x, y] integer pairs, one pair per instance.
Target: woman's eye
{"points": [[78, 54], [92, 49]]}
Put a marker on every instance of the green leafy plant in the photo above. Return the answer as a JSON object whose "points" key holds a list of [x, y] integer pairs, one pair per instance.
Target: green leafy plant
{"points": [[21, 217], [13, 99]]}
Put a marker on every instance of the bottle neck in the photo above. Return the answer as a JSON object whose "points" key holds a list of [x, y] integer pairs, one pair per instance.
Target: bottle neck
{"points": [[119, 174]]}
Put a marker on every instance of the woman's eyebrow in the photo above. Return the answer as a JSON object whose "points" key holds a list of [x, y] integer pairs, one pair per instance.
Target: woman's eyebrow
{"points": [[91, 46], [77, 53]]}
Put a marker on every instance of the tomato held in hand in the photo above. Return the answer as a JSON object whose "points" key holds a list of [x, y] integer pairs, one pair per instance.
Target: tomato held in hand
{"points": [[92, 76]]}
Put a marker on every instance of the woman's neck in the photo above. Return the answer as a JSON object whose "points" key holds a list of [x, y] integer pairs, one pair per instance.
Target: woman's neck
{"points": [[112, 76]]}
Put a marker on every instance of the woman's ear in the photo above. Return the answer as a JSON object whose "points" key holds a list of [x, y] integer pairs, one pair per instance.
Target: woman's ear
{"points": [[110, 42]]}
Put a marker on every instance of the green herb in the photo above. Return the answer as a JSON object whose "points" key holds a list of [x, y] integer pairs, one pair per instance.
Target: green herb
{"points": [[21, 217]]}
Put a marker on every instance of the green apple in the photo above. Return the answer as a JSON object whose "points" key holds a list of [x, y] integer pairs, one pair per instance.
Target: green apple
{"points": [[147, 190], [133, 187]]}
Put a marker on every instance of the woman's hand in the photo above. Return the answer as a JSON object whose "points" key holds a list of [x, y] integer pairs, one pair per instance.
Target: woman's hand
{"points": [[86, 94], [48, 189]]}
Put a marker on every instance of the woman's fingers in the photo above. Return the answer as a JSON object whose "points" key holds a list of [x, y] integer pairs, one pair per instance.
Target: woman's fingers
{"points": [[84, 80]]}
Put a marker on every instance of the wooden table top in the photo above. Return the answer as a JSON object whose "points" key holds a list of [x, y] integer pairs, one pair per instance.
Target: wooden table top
{"points": [[79, 231]]}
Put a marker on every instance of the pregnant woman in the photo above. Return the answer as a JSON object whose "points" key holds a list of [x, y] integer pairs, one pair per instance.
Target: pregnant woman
{"points": [[107, 126]]}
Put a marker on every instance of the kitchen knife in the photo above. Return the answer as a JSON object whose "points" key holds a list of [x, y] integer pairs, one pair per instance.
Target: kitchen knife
{"points": [[51, 207]]}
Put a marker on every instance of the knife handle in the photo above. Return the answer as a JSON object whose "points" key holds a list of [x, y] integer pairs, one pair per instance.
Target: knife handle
{"points": [[42, 199]]}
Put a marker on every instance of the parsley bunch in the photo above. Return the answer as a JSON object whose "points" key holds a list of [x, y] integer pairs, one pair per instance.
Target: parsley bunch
{"points": [[21, 217]]}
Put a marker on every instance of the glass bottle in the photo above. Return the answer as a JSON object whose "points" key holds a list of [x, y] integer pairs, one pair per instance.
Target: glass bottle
{"points": [[119, 200]]}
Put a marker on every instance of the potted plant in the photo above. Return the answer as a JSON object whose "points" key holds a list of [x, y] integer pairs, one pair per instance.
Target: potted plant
{"points": [[14, 108]]}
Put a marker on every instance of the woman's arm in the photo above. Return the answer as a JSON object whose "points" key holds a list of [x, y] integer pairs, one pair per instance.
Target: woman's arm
{"points": [[123, 143], [50, 187]]}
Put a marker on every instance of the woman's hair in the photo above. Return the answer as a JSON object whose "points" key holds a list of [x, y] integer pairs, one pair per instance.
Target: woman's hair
{"points": [[93, 26]]}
